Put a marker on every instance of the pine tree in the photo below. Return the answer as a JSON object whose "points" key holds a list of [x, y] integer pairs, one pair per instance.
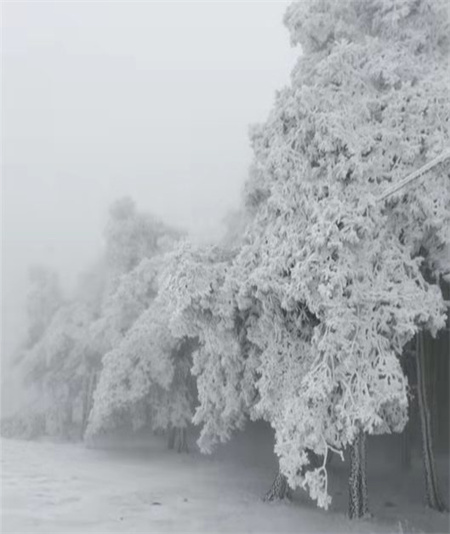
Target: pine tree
{"points": [[331, 281]]}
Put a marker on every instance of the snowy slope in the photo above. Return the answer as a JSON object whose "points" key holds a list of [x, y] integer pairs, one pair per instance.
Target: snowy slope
{"points": [[138, 486]]}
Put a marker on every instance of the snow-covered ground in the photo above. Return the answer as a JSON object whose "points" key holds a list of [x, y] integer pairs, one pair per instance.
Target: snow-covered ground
{"points": [[138, 486]]}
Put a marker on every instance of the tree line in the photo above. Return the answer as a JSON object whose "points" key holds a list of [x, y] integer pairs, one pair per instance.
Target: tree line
{"points": [[314, 310]]}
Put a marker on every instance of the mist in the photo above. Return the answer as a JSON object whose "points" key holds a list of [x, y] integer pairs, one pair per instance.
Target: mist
{"points": [[202, 320], [104, 99]]}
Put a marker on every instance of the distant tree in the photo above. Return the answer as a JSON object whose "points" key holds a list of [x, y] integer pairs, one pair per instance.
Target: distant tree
{"points": [[91, 286], [62, 357], [235, 223], [44, 299], [132, 236], [145, 378], [55, 365], [135, 242]]}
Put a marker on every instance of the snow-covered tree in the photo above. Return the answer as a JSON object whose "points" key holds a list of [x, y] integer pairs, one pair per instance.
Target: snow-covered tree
{"points": [[135, 243], [66, 342], [332, 279], [55, 365], [43, 300], [146, 378], [132, 236], [234, 222], [237, 336], [204, 311], [120, 308]]}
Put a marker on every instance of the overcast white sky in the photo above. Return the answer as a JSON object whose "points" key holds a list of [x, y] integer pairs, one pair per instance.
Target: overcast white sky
{"points": [[149, 99]]}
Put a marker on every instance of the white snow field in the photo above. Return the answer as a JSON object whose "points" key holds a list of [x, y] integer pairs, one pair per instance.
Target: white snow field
{"points": [[137, 486]]}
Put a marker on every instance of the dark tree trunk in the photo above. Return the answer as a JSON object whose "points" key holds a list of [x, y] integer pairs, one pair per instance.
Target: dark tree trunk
{"points": [[279, 490], [433, 497], [407, 436], [358, 505], [171, 438], [433, 388], [177, 438], [406, 455], [182, 440]]}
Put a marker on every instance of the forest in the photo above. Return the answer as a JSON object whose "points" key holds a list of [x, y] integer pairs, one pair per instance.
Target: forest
{"points": [[322, 311]]}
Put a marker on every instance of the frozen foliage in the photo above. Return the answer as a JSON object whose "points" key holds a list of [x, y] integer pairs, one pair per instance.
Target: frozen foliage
{"points": [[122, 305], [43, 300], [146, 374], [368, 102], [330, 285], [135, 243], [132, 236], [55, 366], [206, 312], [62, 358], [299, 320]]}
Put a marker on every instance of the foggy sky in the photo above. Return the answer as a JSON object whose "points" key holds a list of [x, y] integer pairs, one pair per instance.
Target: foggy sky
{"points": [[103, 99]]}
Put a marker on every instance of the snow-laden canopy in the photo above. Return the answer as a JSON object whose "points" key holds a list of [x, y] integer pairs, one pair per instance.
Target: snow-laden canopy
{"points": [[330, 284]]}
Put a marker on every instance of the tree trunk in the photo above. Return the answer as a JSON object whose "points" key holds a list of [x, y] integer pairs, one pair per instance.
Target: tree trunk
{"points": [[85, 388], [406, 456], [279, 490], [433, 497], [171, 438], [68, 419], [89, 388], [407, 436], [182, 440], [358, 505]]}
